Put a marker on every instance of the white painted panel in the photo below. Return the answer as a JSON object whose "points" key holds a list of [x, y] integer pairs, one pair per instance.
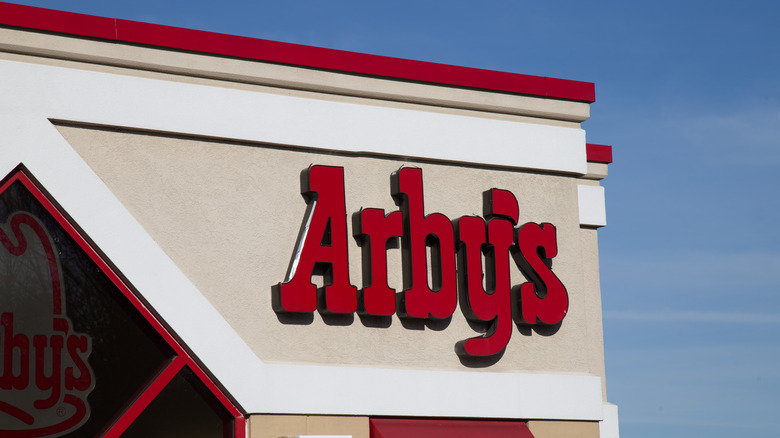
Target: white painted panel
{"points": [[374, 391], [220, 112], [608, 428], [593, 211]]}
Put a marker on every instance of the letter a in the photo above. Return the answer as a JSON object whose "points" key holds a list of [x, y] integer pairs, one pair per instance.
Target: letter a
{"points": [[321, 248]]}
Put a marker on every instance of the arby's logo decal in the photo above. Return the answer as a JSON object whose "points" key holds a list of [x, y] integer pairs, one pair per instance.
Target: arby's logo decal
{"points": [[457, 250], [45, 376]]}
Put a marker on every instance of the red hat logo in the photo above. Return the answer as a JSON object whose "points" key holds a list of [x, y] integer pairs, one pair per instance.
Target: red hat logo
{"points": [[45, 377]]}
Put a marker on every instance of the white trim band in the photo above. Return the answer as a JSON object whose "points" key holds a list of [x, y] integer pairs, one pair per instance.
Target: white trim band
{"points": [[127, 101]]}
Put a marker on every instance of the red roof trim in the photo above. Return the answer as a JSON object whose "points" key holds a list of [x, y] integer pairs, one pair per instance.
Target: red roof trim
{"points": [[287, 53], [599, 153], [57, 21]]}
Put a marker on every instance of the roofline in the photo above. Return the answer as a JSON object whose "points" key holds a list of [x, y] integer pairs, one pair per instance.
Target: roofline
{"points": [[134, 32]]}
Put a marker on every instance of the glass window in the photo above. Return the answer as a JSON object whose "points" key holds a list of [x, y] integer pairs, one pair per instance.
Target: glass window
{"points": [[78, 349], [184, 409]]}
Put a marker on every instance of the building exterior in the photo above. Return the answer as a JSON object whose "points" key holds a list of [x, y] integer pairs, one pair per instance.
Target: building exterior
{"points": [[211, 235]]}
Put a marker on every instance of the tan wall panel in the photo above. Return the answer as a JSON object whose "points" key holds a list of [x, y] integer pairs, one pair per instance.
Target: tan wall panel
{"points": [[595, 326], [564, 429], [279, 426], [229, 214]]}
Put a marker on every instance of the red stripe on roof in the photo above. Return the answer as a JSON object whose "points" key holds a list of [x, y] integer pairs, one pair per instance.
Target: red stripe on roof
{"points": [[57, 21], [287, 53], [599, 153]]}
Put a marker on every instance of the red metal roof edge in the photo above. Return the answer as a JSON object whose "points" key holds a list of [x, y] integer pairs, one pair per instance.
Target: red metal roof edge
{"points": [[119, 30], [599, 153]]}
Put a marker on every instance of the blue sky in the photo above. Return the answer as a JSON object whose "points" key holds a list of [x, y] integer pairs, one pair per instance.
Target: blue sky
{"points": [[688, 92]]}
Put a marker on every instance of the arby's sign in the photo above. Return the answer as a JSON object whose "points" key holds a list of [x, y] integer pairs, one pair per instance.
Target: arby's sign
{"points": [[457, 250], [45, 376]]}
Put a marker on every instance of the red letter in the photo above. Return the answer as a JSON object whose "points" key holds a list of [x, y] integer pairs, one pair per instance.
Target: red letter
{"points": [[491, 303], [543, 299], [321, 248], [434, 230], [13, 342], [42, 381], [78, 344], [501, 203], [375, 229]]}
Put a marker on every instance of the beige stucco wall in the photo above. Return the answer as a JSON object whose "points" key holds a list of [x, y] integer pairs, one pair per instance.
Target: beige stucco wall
{"points": [[288, 426], [228, 215], [564, 429], [595, 327]]}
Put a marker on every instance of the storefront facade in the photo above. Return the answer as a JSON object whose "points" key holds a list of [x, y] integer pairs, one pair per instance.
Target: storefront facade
{"points": [[291, 241]]}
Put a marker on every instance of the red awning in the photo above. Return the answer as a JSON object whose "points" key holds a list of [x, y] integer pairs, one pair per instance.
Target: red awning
{"points": [[417, 428]]}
